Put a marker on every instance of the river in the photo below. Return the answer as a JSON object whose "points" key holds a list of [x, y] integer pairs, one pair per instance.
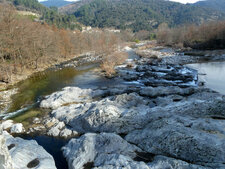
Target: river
{"points": [[212, 74]]}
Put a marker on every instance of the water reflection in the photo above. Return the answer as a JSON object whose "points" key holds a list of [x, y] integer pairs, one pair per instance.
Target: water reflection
{"points": [[213, 74], [45, 83]]}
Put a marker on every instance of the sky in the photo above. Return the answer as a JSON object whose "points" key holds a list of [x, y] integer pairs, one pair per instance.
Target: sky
{"points": [[185, 1], [65, 0], [181, 1]]}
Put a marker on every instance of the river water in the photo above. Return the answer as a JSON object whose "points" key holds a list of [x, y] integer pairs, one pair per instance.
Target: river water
{"points": [[212, 74]]}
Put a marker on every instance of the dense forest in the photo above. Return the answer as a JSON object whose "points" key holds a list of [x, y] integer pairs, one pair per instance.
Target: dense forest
{"points": [[213, 4], [142, 14], [48, 15]]}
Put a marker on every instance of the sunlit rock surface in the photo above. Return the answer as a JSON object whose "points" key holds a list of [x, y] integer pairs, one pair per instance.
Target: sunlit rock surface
{"points": [[104, 150], [27, 154], [5, 159]]}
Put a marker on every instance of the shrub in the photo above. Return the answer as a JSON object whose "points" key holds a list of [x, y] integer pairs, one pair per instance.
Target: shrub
{"points": [[205, 36], [110, 61]]}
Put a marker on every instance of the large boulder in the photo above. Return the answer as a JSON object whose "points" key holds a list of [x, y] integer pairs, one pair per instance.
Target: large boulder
{"points": [[104, 150], [195, 140], [5, 158], [113, 114], [27, 154], [69, 95]]}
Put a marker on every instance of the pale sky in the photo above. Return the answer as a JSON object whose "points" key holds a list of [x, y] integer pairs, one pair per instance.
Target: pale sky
{"points": [[65, 0], [185, 1], [181, 1]]}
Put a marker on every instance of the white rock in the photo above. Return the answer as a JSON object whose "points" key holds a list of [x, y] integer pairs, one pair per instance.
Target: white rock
{"points": [[24, 152], [55, 130], [6, 124], [66, 132], [66, 96], [17, 128], [5, 159], [36, 120]]}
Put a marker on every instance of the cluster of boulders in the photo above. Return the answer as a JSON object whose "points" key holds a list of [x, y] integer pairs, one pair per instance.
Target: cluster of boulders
{"points": [[157, 117], [12, 127]]}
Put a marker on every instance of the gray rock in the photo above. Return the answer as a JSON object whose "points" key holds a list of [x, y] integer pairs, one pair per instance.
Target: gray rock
{"points": [[163, 91], [110, 114], [162, 162], [199, 141], [104, 150], [117, 161]]}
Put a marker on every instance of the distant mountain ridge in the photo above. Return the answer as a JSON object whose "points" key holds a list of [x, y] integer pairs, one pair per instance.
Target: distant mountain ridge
{"points": [[139, 14], [50, 16], [213, 4], [56, 3], [71, 8]]}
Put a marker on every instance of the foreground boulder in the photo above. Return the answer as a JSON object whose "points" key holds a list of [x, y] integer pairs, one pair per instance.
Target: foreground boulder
{"points": [[5, 159], [27, 154], [197, 141], [104, 150], [109, 151]]}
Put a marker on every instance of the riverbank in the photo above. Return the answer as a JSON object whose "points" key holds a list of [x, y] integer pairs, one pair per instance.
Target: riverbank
{"points": [[11, 89], [153, 114]]}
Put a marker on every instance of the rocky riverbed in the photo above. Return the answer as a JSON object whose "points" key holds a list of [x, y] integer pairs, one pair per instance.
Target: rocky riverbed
{"points": [[157, 116]]}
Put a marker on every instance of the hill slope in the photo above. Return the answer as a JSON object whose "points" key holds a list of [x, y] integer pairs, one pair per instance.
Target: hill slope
{"points": [[213, 4], [138, 14], [56, 3], [51, 16]]}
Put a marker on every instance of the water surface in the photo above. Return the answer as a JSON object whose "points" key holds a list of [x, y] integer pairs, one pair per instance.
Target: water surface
{"points": [[213, 74]]}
